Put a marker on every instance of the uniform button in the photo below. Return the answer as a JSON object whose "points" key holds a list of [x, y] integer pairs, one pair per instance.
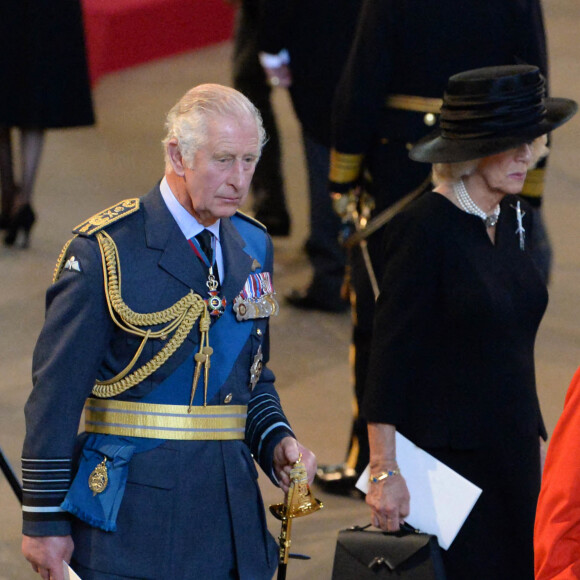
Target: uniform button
{"points": [[228, 398], [259, 332], [429, 119]]}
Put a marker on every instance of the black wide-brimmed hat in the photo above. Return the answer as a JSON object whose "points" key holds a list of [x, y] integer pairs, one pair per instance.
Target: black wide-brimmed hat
{"points": [[489, 110]]}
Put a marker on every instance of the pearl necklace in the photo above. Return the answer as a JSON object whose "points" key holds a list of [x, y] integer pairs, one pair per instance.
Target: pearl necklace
{"points": [[469, 206]]}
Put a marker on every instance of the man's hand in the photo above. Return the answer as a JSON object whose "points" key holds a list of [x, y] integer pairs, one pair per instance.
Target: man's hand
{"points": [[286, 454], [280, 76], [46, 554]]}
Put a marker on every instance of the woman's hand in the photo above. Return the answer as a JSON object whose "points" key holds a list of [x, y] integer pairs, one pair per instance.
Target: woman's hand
{"points": [[389, 502], [388, 498]]}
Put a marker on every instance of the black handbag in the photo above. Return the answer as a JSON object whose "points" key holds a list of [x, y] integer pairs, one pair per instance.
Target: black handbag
{"points": [[405, 555]]}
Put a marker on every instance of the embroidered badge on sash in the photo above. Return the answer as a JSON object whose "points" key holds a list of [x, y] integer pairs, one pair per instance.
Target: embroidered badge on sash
{"points": [[99, 478], [256, 300]]}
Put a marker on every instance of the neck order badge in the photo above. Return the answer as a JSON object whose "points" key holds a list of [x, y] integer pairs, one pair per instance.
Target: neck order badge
{"points": [[203, 244]]}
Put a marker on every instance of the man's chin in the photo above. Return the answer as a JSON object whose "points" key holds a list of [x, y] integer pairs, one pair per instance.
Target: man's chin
{"points": [[228, 209]]}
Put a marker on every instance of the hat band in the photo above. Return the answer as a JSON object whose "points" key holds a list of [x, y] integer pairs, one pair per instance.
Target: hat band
{"points": [[474, 116]]}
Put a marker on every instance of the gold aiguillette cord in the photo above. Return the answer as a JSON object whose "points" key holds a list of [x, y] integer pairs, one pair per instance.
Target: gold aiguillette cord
{"points": [[202, 359]]}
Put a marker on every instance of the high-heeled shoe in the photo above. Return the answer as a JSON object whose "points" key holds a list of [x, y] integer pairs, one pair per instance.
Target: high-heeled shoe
{"points": [[19, 227]]}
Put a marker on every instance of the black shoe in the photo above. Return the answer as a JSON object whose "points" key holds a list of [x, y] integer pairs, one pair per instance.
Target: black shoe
{"points": [[277, 224], [307, 300], [19, 227], [337, 479]]}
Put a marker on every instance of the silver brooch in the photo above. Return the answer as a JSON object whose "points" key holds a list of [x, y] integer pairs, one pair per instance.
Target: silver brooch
{"points": [[520, 230]]}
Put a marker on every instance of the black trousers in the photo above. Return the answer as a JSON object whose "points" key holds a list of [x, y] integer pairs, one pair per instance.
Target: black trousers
{"points": [[249, 78], [325, 253]]}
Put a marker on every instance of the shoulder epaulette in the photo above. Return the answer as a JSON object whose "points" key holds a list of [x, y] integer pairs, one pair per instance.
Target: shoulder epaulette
{"points": [[250, 219], [107, 217]]}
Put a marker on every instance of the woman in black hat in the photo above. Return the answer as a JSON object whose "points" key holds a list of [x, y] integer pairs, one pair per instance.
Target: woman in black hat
{"points": [[452, 364]]}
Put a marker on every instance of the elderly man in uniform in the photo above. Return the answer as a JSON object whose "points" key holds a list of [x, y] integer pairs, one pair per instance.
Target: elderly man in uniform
{"points": [[157, 326]]}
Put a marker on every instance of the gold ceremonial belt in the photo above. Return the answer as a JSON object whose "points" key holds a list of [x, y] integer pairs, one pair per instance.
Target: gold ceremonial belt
{"points": [[414, 103], [130, 419]]}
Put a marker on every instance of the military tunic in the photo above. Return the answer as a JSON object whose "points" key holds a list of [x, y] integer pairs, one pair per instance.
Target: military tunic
{"points": [[190, 508]]}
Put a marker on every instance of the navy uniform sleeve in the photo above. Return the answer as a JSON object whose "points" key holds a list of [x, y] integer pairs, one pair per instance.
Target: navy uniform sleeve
{"points": [[66, 360], [266, 424], [360, 94], [274, 25]]}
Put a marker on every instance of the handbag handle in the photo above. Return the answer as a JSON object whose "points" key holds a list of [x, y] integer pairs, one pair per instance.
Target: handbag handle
{"points": [[404, 529]]}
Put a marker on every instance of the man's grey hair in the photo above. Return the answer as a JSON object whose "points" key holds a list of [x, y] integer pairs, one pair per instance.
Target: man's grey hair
{"points": [[187, 120]]}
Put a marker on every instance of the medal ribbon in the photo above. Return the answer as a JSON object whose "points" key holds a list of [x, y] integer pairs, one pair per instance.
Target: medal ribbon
{"points": [[257, 285], [200, 252]]}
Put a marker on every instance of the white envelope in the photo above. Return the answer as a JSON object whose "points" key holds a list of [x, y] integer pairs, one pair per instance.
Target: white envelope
{"points": [[69, 573], [441, 499]]}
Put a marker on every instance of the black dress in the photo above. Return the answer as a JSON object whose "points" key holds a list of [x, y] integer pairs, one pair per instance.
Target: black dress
{"points": [[452, 367], [44, 81]]}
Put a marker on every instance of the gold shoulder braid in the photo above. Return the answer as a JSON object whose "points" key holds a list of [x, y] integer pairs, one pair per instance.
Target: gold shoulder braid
{"points": [[108, 216], [60, 262], [180, 319], [96, 223]]}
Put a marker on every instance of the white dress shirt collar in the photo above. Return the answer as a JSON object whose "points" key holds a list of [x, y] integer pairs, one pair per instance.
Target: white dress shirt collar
{"points": [[189, 225], [186, 222]]}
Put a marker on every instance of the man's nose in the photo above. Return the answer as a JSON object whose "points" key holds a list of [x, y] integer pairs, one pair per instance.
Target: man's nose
{"points": [[237, 174]]}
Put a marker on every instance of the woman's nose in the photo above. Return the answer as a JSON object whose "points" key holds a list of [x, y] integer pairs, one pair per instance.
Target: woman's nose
{"points": [[525, 152]]}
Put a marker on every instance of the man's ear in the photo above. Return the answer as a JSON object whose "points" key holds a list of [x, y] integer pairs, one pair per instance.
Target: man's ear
{"points": [[175, 158]]}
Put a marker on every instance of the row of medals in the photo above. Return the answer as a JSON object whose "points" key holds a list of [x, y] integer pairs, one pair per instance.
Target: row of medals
{"points": [[244, 308]]}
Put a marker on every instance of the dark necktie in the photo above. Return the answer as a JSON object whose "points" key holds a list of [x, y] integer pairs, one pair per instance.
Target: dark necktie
{"points": [[205, 238]]}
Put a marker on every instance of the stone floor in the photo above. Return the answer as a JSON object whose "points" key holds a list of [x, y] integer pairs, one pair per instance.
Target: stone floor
{"points": [[86, 170]]}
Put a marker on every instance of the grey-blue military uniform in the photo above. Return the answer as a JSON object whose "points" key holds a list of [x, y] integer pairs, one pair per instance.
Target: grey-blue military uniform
{"points": [[184, 508]]}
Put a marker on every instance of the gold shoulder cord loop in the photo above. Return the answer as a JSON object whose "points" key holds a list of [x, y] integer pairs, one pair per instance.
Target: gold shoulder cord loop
{"points": [[60, 262], [180, 319]]}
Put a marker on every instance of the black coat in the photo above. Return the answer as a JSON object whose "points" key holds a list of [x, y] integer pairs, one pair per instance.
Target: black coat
{"points": [[412, 48], [44, 79], [452, 361], [318, 36]]}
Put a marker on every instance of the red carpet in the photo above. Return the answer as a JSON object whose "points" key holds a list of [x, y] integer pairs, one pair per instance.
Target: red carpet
{"points": [[123, 33]]}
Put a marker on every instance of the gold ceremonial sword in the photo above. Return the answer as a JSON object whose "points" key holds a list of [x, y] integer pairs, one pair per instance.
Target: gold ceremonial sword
{"points": [[299, 502]]}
